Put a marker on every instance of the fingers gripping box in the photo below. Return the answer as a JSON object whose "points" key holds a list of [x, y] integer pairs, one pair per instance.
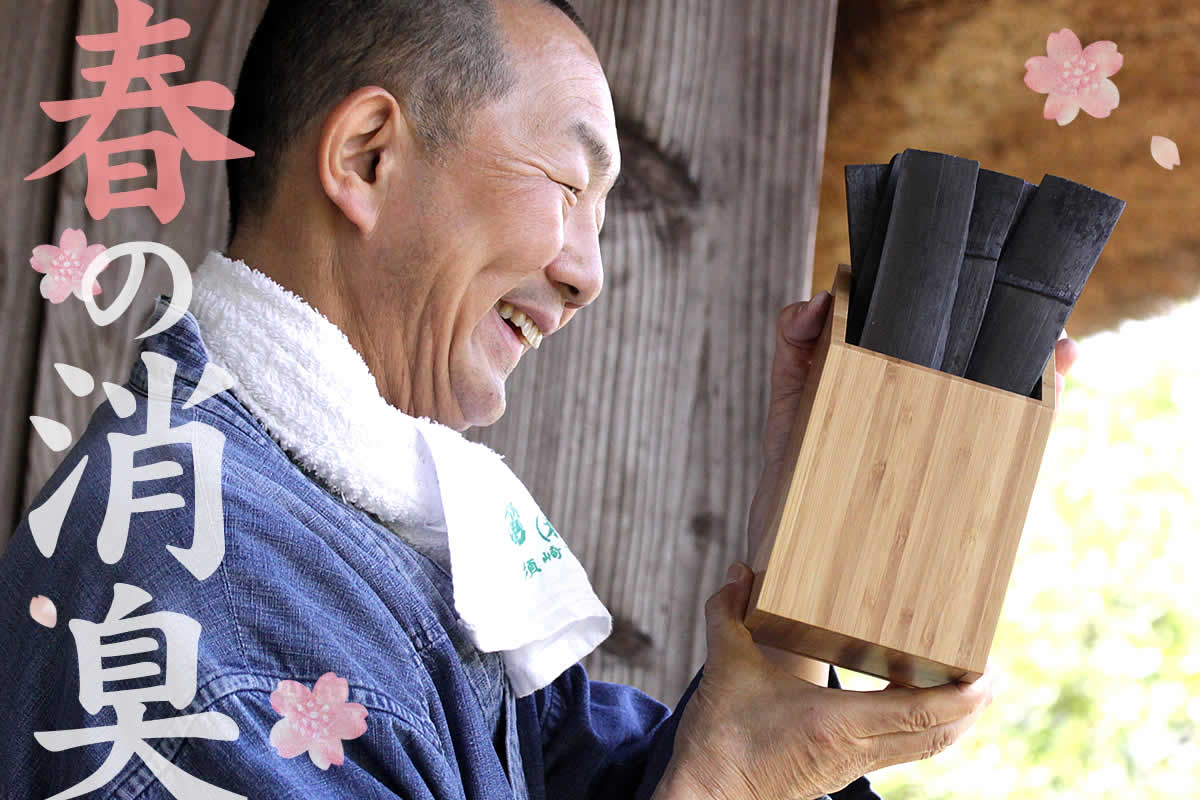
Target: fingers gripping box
{"points": [[889, 551]]}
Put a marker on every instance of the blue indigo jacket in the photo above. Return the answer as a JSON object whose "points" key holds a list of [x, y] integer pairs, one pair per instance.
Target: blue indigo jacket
{"points": [[308, 585]]}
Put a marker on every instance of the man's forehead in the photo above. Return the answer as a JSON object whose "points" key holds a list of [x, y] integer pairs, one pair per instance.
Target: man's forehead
{"points": [[601, 156], [561, 83]]}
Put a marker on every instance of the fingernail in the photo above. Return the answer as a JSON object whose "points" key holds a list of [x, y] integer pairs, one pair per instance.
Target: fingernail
{"points": [[734, 573], [818, 301]]}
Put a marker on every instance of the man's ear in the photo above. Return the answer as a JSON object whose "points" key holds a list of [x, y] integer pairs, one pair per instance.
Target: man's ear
{"points": [[366, 138]]}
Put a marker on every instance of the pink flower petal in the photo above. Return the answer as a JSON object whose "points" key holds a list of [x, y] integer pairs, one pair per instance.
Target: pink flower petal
{"points": [[72, 239], [1060, 107], [331, 689], [55, 290], [90, 254], [288, 696], [287, 740], [42, 609], [1101, 102], [1063, 46], [86, 258], [43, 257], [1068, 115], [350, 722], [319, 759], [1105, 56], [326, 751], [1040, 74], [1164, 151]]}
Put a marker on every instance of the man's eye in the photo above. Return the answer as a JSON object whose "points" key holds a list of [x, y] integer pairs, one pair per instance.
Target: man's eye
{"points": [[573, 190]]}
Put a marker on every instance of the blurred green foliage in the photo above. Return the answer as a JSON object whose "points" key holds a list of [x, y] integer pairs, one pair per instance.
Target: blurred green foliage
{"points": [[1099, 641]]}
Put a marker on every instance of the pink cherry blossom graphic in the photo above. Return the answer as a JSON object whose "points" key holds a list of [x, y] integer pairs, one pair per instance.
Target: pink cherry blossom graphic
{"points": [[64, 265], [1075, 77], [42, 609], [316, 721], [1164, 151]]}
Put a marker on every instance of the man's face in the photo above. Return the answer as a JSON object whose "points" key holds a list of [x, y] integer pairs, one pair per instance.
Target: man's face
{"points": [[508, 220]]}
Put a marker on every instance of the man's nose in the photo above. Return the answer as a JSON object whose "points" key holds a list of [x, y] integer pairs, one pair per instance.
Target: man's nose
{"points": [[579, 269]]}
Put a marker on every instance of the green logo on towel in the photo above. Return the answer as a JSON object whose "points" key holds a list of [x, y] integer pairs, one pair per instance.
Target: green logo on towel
{"points": [[547, 532], [516, 531]]}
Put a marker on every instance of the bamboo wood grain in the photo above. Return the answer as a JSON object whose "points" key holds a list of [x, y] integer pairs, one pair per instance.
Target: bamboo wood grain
{"points": [[891, 551]]}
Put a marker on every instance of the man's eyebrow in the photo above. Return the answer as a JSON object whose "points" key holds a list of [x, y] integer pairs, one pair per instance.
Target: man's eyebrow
{"points": [[600, 157]]}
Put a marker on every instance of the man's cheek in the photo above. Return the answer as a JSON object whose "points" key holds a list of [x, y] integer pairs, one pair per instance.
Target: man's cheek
{"points": [[534, 231]]}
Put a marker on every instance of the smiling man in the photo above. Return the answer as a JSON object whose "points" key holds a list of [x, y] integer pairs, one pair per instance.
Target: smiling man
{"points": [[423, 225], [424, 207]]}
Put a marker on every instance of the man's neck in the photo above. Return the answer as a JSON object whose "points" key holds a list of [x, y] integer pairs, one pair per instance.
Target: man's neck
{"points": [[311, 267]]}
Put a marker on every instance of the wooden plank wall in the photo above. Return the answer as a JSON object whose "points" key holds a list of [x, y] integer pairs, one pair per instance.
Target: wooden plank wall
{"points": [[33, 34], [638, 427]]}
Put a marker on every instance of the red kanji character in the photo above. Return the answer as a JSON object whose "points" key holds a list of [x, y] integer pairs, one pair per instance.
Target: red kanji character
{"points": [[202, 142]]}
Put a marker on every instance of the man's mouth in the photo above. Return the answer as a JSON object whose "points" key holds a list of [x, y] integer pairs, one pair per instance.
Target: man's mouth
{"points": [[523, 325]]}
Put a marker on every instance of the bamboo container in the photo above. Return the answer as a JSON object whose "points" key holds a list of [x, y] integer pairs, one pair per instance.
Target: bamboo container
{"points": [[889, 552]]}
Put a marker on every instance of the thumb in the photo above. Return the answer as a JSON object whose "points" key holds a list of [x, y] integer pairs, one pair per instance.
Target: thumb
{"points": [[725, 611], [805, 322]]}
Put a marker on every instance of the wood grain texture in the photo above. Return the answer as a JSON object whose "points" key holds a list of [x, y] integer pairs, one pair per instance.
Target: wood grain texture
{"points": [[37, 34], [220, 32], [892, 548], [639, 427]]}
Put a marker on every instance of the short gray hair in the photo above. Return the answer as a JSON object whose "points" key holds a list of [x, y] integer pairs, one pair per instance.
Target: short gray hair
{"points": [[440, 58]]}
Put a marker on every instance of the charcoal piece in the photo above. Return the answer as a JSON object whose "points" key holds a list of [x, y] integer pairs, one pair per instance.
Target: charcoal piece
{"points": [[913, 297], [997, 197], [865, 185], [1027, 192], [1039, 277], [863, 274]]}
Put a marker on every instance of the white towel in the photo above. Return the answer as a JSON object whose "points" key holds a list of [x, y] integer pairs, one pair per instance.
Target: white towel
{"points": [[517, 587]]}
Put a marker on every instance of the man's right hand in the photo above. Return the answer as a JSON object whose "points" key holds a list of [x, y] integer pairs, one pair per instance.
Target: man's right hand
{"points": [[753, 732]]}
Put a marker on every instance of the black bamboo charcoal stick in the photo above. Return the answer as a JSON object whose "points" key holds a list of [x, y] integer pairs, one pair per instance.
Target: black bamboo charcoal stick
{"points": [[865, 185], [997, 197], [862, 276], [1026, 195], [1039, 277], [909, 312]]}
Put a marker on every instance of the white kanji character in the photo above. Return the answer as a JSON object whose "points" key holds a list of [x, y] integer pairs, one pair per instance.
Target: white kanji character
{"points": [[207, 443], [128, 737], [181, 284]]}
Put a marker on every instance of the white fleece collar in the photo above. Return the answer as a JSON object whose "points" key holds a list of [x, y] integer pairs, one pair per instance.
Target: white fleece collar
{"points": [[303, 380]]}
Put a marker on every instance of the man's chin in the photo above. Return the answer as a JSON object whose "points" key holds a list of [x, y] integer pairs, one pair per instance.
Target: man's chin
{"points": [[482, 407]]}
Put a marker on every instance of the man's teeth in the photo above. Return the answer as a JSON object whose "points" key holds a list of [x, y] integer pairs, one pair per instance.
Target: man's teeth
{"points": [[529, 331]]}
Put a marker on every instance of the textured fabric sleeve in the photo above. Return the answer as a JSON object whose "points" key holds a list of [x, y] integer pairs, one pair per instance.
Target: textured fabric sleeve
{"points": [[603, 740], [392, 759]]}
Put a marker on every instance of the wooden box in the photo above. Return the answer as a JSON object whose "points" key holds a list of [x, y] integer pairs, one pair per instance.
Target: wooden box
{"points": [[890, 551]]}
